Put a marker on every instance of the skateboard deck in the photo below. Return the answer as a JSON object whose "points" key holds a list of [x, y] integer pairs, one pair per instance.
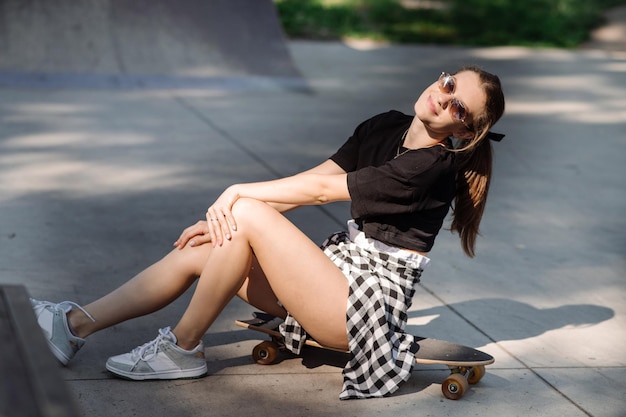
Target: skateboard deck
{"points": [[466, 364]]}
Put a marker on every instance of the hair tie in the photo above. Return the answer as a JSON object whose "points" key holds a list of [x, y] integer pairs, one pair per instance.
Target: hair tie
{"points": [[496, 137]]}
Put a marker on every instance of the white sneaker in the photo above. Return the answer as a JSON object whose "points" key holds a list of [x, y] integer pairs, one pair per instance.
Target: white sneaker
{"points": [[52, 319], [160, 359]]}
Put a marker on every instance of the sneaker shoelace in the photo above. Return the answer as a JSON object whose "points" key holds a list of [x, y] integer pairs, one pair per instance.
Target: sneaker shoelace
{"points": [[42, 305], [149, 350]]}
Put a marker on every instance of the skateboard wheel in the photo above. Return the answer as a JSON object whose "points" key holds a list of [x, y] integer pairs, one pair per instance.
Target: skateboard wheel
{"points": [[454, 386], [476, 374], [265, 353]]}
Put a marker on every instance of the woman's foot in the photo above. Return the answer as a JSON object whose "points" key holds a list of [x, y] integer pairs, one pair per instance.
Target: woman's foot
{"points": [[52, 319], [160, 359]]}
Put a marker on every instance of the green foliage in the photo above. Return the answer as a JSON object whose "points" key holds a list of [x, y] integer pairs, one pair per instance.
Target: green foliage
{"points": [[564, 23], [376, 19], [561, 23]]}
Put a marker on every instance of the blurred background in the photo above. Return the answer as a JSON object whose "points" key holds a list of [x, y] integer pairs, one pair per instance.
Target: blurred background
{"points": [[552, 23]]}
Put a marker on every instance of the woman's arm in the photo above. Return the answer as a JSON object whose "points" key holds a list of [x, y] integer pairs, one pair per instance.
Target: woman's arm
{"points": [[301, 189], [327, 167], [200, 233]]}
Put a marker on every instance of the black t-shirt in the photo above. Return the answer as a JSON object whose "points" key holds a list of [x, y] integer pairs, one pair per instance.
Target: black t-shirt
{"points": [[399, 200]]}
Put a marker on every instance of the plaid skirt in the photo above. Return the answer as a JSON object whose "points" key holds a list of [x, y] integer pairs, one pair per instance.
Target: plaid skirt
{"points": [[382, 282]]}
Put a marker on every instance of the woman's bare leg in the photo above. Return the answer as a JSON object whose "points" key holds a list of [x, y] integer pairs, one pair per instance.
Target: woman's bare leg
{"points": [[149, 291], [300, 275], [257, 292], [162, 283]]}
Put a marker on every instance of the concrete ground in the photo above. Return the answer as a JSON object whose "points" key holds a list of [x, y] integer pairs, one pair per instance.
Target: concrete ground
{"points": [[95, 184]]}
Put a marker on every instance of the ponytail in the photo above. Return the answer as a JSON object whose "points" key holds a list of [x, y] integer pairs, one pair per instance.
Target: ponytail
{"points": [[473, 178], [474, 165]]}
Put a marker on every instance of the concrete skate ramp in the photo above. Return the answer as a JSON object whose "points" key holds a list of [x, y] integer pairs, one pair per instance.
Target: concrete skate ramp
{"points": [[142, 41]]}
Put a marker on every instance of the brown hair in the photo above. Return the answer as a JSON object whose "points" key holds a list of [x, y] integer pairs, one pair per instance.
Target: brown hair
{"points": [[474, 160]]}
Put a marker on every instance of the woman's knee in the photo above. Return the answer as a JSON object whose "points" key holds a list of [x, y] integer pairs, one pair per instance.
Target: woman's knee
{"points": [[189, 260], [246, 210]]}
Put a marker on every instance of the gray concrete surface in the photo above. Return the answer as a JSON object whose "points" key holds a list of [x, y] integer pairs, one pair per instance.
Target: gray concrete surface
{"points": [[112, 43], [95, 184]]}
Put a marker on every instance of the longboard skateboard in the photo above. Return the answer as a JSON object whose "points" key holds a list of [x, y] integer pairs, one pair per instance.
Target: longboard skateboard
{"points": [[467, 365]]}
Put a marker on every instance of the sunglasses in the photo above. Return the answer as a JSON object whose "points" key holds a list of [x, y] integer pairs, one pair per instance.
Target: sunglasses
{"points": [[447, 85]]}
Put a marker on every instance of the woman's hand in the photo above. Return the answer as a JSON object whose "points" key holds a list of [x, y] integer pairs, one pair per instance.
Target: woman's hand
{"points": [[220, 220], [195, 235]]}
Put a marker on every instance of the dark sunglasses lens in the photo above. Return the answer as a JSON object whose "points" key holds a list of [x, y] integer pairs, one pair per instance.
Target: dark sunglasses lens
{"points": [[458, 110], [446, 84]]}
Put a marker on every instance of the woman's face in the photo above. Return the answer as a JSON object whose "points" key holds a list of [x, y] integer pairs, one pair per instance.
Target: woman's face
{"points": [[433, 106]]}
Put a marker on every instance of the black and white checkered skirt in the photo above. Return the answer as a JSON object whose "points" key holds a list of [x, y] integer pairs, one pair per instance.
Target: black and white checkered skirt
{"points": [[382, 283]]}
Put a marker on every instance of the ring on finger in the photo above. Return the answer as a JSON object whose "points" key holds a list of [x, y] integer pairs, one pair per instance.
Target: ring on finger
{"points": [[213, 220]]}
